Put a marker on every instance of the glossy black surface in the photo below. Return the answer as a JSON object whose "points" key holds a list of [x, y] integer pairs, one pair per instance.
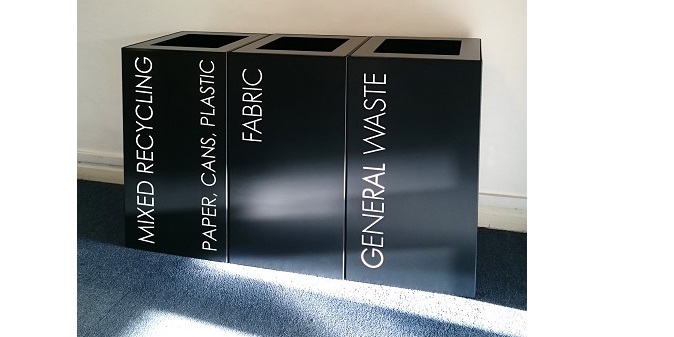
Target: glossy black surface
{"points": [[424, 146], [286, 183], [174, 117]]}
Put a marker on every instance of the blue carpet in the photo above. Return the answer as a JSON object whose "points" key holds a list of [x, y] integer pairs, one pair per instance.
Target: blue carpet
{"points": [[127, 292]]}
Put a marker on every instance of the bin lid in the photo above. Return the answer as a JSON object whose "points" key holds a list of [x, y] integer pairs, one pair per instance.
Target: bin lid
{"points": [[302, 44], [421, 48], [199, 41]]}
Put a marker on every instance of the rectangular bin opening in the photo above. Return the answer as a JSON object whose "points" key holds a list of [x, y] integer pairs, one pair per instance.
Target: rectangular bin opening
{"points": [[326, 44], [409, 46], [200, 41]]}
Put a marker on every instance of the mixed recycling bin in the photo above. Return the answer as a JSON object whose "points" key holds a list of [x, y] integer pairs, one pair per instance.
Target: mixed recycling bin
{"points": [[174, 114]]}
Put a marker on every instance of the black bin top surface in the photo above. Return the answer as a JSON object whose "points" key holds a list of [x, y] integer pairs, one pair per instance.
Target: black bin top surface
{"points": [[312, 45], [421, 48], [198, 41]]}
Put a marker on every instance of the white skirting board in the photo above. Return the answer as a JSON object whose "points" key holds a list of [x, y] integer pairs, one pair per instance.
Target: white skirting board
{"points": [[100, 166], [495, 211]]}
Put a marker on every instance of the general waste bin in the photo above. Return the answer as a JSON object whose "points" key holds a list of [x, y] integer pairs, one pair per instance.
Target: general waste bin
{"points": [[413, 136]]}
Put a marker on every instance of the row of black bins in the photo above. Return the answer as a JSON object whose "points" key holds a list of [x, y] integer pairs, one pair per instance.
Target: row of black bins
{"points": [[344, 157]]}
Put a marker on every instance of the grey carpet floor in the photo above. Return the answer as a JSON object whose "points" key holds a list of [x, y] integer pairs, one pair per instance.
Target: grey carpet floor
{"points": [[128, 292]]}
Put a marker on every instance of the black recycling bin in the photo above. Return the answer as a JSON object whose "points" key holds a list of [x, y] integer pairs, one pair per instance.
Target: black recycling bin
{"points": [[286, 127], [413, 136], [174, 113]]}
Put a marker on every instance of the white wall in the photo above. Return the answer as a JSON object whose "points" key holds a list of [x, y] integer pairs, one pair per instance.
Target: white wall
{"points": [[106, 26]]}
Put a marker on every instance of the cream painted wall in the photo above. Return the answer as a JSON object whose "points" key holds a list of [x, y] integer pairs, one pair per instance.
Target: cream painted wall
{"points": [[106, 26]]}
